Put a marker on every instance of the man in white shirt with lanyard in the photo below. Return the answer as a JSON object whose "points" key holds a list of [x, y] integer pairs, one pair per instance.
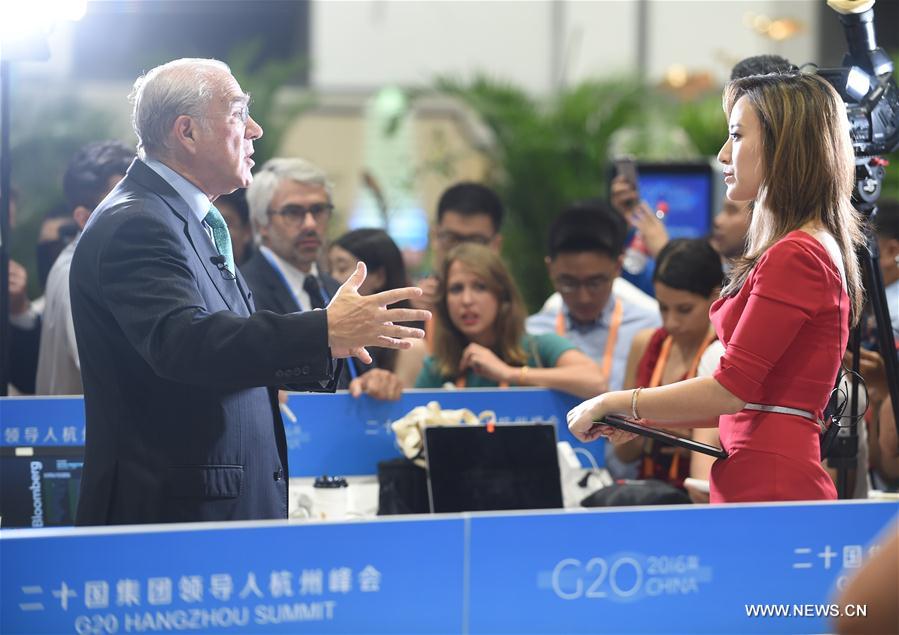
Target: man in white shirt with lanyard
{"points": [[585, 254], [90, 175]]}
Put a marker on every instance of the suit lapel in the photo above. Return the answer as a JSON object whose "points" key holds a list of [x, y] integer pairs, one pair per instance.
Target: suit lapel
{"points": [[245, 293], [195, 235]]}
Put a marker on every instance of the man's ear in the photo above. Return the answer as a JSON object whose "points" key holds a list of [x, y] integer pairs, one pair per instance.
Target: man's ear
{"points": [[184, 131], [497, 243], [549, 264], [619, 266], [81, 214], [260, 233]]}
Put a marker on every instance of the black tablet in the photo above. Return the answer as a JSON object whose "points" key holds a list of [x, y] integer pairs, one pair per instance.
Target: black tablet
{"points": [[659, 435]]}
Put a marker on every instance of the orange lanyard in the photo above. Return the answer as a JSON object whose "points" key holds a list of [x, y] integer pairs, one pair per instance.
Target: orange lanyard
{"points": [[663, 359], [617, 312], [674, 468], [462, 381]]}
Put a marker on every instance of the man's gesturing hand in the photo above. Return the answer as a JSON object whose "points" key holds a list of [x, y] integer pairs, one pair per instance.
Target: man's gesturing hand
{"points": [[356, 321]]}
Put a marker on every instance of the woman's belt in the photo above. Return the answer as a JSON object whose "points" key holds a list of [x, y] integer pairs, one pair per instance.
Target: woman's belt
{"points": [[784, 410]]}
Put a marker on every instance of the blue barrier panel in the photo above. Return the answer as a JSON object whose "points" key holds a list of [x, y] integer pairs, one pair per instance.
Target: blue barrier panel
{"points": [[682, 570], [663, 570], [343, 435], [382, 577], [334, 434], [39, 421]]}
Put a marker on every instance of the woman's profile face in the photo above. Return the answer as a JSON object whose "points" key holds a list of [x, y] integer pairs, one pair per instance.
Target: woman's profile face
{"points": [[684, 314], [471, 305], [741, 154], [343, 264]]}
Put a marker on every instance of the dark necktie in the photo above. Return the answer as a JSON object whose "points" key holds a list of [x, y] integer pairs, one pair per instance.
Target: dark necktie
{"points": [[310, 286], [220, 236]]}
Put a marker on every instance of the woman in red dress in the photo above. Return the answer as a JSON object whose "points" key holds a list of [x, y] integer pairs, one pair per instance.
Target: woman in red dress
{"points": [[784, 314]]}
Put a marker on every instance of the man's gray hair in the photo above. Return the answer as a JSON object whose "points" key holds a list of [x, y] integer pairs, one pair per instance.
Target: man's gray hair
{"points": [[269, 177], [180, 87]]}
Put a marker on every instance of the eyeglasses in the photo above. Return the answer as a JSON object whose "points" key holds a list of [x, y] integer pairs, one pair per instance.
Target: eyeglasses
{"points": [[240, 111], [296, 214], [243, 114], [593, 285], [451, 239]]}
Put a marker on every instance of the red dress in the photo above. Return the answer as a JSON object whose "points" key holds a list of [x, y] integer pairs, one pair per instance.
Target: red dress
{"points": [[784, 334]]}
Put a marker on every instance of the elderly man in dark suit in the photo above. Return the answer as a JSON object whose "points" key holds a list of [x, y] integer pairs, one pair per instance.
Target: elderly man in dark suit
{"points": [[178, 370]]}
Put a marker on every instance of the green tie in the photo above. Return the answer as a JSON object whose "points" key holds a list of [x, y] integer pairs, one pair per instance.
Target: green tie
{"points": [[221, 236]]}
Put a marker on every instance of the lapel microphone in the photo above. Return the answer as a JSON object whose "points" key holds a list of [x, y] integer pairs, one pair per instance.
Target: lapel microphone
{"points": [[219, 262]]}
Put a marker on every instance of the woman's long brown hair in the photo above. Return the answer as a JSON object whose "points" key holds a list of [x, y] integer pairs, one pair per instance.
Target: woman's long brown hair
{"points": [[808, 170], [449, 341]]}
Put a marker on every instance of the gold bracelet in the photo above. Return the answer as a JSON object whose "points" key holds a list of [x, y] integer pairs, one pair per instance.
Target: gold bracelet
{"points": [[634, 394], [522, 373]]}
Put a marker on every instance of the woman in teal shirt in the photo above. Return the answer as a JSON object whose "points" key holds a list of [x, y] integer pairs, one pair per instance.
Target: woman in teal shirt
{"points": [[479, 337]]}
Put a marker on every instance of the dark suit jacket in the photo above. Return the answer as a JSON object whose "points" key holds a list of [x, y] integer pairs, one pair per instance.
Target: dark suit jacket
{"points": [[271, 294], [179, 425]]}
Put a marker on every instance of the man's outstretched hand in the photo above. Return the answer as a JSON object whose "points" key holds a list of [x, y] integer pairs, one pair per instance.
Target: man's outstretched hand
{"points": [[356, 321]]}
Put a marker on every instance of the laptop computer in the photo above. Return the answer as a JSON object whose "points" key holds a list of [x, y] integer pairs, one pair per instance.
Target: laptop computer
{"points": [[503, 467], [39, 488]]}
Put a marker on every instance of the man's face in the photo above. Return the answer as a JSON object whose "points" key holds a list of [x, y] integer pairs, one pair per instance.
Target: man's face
{"points": [[889, 252], [456, 228], [730, 228], [584, 280], [298, 219], [224, 141]]}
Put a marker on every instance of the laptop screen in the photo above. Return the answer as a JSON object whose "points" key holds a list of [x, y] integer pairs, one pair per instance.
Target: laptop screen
{"points": [[514, 466], [40, 490]]}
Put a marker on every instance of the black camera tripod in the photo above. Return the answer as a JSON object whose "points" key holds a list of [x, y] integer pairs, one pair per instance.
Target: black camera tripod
{"points": [[866, 84]]}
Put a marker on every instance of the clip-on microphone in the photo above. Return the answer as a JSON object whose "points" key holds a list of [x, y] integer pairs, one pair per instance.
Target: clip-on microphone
{"points": [[219, 262]]}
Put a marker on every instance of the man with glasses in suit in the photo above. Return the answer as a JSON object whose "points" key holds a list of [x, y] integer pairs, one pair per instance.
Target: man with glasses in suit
{"points": [[290, 202], [290, 208]]}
